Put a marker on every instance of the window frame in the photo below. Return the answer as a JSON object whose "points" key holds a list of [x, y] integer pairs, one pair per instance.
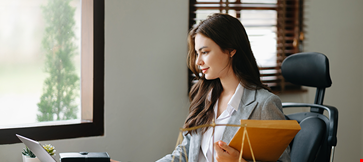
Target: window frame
{"points": [[289, 35], [85, 128]]}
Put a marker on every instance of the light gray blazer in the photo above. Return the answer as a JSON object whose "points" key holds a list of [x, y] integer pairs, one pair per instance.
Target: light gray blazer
{"points": [[255, 104]]}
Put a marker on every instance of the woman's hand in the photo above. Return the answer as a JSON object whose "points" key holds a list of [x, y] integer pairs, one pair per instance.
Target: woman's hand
{"points": [[113, 160], [226, 153]]}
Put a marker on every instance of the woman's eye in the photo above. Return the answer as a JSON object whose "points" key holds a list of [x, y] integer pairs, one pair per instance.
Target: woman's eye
{"points": [[204, 52]]}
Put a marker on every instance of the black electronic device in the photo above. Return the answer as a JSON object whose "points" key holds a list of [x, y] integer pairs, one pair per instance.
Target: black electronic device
{"points": [[84, 157]]}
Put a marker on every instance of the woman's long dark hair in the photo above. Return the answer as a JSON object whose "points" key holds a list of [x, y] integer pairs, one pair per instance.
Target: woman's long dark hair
{"points": [[229, 34]]}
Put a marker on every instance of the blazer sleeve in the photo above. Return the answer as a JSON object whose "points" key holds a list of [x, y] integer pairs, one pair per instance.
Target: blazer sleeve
{"points": [[180, 152], [271, 109]]}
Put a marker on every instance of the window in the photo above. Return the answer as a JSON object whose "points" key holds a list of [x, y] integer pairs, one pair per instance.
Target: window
{"points": [[274, 28], [91, 73]]}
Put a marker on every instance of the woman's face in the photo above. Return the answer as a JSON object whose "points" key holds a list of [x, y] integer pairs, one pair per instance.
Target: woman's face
{"points": [[213, 62]]}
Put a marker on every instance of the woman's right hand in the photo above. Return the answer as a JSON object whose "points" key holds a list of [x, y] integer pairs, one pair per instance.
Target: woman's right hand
{"points": [[226, 153]]}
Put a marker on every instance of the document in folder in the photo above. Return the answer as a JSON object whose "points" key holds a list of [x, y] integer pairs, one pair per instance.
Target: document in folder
{"points": [[268, 138]]}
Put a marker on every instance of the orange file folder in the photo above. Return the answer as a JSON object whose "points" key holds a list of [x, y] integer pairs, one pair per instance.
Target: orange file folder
{"points": [[268, 138]]}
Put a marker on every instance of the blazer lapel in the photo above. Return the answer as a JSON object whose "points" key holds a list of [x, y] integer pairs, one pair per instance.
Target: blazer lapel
{"points": [[245, 109]]}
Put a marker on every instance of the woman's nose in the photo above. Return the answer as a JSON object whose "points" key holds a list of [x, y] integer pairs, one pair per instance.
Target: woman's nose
{"points": [[199, 61]]}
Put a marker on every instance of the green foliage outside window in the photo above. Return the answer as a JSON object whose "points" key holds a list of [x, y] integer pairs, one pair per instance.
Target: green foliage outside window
{"points": [[61, 87]]}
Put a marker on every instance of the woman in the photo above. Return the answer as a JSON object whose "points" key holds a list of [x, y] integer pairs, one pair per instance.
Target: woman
{"points": [[229, 90]]}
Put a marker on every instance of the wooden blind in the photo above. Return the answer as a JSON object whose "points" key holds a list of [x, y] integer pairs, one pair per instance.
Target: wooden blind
{"points": [[274, 28]]}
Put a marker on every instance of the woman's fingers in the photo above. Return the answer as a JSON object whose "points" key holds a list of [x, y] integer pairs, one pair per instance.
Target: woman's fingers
{"points": [[226, 153], [227, 148]]}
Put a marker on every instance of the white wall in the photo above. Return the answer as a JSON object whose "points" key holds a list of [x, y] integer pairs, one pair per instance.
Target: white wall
{"points": [[334, 27], [336, 30], [146, 77]]}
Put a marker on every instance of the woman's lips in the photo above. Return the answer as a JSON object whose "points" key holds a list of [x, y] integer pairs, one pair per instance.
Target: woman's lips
{"points": [[204, 70]]}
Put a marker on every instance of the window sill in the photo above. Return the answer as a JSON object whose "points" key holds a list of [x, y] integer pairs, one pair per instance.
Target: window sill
{"points": [[289, 91]]}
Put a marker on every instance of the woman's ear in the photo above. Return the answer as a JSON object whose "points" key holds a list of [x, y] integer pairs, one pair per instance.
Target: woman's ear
{"points": [[233, 52]]}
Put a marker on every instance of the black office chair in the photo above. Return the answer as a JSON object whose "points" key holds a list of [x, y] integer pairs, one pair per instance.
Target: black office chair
{"points": [[317, 139]]}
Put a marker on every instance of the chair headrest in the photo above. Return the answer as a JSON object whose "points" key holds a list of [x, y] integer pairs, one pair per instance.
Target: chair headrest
{"points": [[307, 69]]}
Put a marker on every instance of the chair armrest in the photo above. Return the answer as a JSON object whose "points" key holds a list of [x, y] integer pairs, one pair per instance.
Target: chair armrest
{"points": [[333, 117]]}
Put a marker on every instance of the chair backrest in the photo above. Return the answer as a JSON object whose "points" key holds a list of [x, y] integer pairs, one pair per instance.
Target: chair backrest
{"points": [[309, 138], [308, 69], [318, 132]]}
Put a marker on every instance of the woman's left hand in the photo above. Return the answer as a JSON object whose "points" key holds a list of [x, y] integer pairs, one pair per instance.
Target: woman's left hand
{"points": [[226, 153]]}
